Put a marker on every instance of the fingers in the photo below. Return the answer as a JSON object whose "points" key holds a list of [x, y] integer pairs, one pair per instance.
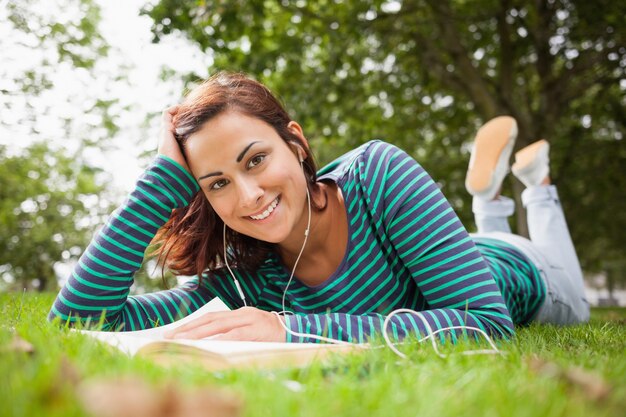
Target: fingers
{"points": [[170, 111], [240, 333], [167, 141], [167, 117], [200, 321], [211, 324], [247, 323], [205, 327]]}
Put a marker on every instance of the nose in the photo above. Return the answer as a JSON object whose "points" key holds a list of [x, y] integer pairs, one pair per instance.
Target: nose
{"points": [[249, 193]]}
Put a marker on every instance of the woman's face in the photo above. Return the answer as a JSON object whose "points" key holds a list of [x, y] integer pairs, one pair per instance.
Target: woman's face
{"points": [[250, 176]]}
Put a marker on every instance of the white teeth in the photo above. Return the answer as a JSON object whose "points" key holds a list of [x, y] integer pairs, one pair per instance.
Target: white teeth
{"points": [[267, 211]]}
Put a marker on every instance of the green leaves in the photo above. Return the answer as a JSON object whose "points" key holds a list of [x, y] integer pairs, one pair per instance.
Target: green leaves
{"points": [[424, 74], [47, 199]]}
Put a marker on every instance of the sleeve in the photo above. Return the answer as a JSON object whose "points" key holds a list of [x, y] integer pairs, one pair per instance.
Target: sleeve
{"points": [[101, 280], [413, 217]]}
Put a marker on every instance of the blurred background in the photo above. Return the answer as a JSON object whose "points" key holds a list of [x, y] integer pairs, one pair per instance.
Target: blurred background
{"points": [[83, 83]]}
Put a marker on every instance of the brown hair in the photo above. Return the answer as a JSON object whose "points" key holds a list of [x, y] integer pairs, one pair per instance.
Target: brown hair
{"points": [[191, 241]]}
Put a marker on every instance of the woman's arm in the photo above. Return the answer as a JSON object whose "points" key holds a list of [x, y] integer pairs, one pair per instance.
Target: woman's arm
{"points": [[101, 279], [100, 282]]}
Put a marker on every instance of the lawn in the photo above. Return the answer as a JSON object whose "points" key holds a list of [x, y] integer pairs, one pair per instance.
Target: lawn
{"points": [[547, 371]]}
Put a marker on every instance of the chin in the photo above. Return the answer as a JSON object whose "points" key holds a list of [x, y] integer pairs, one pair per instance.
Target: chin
{"points": [[275, 237]]}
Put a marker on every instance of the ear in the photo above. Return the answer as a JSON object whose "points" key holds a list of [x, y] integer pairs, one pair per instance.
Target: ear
{"points": [[296, 130]]}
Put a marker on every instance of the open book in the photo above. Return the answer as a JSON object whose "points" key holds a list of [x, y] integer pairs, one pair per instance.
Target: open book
{"points": [[215, 354]]}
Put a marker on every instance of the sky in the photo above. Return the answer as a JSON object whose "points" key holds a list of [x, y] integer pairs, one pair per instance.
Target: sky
{"points": [[131, 55]]}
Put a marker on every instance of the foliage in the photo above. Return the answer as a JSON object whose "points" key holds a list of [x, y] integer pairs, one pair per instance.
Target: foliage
{"points": [[47, 382], [48, 208], [50, 63], [51, 203], [425, 73], [49, 198], [57, 88]]}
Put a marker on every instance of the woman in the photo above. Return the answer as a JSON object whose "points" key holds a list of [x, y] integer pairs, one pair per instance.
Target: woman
{"points": [[234, 197]]}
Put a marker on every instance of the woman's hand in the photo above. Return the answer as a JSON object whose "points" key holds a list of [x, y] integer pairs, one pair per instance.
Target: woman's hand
{"points": [[247, 323], [167, 143]]}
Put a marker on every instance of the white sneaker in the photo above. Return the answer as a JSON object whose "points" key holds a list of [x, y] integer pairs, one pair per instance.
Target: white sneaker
{"points": [[489, 162], [532, 164]]}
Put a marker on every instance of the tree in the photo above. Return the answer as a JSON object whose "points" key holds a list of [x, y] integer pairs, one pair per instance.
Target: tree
{"points": [[424, 74], [50, 61], [58, 92], [49, 206]]}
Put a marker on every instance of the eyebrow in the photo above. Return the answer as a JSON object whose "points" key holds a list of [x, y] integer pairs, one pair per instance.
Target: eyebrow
{"points": [[243, 153], [239, 158], [210, 174]]}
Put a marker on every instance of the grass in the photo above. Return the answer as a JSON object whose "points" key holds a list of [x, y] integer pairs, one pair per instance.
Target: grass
{"points": [[548, 371]]}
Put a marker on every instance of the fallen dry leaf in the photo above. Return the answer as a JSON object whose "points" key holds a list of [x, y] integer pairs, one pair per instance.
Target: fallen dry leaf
{"points": [[132, 397], [202, 402], [119, 398], [61, 382], [592, 385], [20, 345], [67, 372]]}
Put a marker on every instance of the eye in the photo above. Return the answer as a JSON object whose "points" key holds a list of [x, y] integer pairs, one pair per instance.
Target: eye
{"points": [[219, 184], [256, 160]]}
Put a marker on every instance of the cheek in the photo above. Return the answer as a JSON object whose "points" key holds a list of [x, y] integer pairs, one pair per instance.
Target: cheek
{"points": [[290, 174], [221, 206]]}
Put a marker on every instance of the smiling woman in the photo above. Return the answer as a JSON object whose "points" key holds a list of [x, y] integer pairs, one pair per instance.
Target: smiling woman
{"points": [[256, 171], [235, 184]]}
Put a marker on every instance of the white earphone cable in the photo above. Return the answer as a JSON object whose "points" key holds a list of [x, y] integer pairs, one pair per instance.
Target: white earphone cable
{"points": [[241, 294], [493, 351], [306, 237]]}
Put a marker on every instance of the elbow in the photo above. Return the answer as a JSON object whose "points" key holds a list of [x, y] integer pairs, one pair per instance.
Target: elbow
{"points": [[502, 328], [507, 330], [496, 323], [59, 319]]}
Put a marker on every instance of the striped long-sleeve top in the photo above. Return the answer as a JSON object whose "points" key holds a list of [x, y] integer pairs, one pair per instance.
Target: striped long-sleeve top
{"points": [[406, 249]]}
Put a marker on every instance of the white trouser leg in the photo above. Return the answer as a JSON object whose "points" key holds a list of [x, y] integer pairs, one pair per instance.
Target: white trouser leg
{"points": [[548, 230], [550, 249], [492, 215], [550, 235]]}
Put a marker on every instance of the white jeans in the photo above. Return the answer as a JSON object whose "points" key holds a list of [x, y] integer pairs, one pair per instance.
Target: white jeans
{"points": [[550, 248]]}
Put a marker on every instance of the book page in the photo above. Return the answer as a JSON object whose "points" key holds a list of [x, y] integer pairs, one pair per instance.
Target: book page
{"points": [[124, 341], [216, 355], [131, 342], [157, 333], [152, 342], [234, 348]]}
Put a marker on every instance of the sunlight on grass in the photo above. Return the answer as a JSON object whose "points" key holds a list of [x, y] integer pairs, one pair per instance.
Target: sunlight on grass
{"points": [[546, 371]]}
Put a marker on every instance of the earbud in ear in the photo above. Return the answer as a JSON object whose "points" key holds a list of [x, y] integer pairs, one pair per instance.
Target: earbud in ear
{"points": [[298, 151]]}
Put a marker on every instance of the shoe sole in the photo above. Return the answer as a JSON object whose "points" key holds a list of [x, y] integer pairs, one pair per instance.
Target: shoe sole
{"points": [[526, 157], [491, 140]]}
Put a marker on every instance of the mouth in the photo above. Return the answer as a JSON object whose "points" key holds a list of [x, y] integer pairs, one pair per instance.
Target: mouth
{"points": [[266, 213]]}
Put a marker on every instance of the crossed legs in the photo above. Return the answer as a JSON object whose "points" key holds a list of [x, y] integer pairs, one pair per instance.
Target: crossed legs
{"points": [[550, 247]]}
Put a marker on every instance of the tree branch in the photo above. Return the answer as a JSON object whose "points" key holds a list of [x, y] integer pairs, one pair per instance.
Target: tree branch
{"points": [[540, 36], [585, 72], [478, 88], [506, 53], [431, 59]]}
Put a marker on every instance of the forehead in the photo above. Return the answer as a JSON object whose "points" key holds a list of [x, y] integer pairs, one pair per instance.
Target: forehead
{"points": [[229, 128], [223, 137]]}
